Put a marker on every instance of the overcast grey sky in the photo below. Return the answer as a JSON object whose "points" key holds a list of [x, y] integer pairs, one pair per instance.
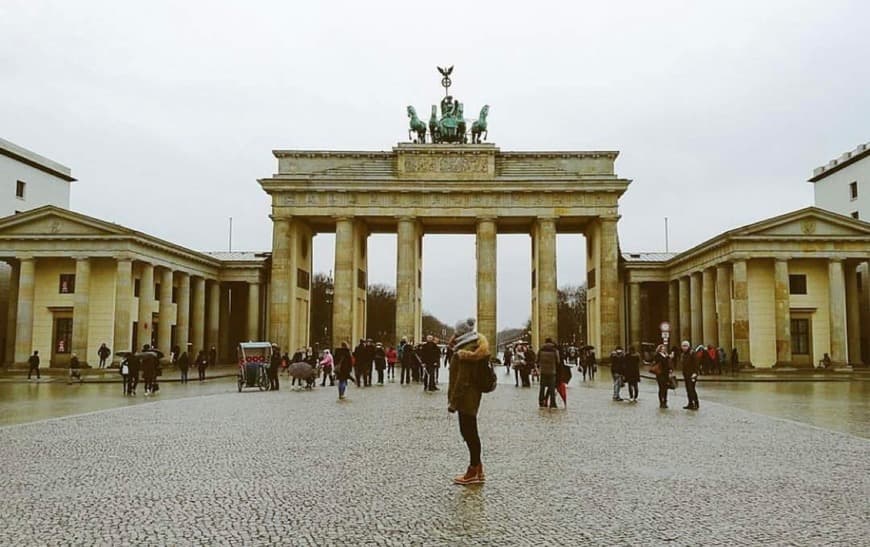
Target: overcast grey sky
{"points": [[167, 112]]}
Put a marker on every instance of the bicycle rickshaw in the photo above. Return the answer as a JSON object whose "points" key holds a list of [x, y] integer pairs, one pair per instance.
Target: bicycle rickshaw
{"points": [[254, 359]]}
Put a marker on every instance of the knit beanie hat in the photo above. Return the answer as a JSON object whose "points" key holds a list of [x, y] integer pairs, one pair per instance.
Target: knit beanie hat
{"points": [[464, 326]]}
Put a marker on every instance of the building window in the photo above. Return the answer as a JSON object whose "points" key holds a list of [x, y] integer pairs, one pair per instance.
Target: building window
{"points": [[800, 336], [136, 288], [67, 284], [19, 189], [797, 284], [63, 334], [853, 190], [855, 215]]}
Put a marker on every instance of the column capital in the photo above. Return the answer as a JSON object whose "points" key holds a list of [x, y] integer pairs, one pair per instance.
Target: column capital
{"points": [[126, 257], [80, 258], [839, 259], [344, 218]]}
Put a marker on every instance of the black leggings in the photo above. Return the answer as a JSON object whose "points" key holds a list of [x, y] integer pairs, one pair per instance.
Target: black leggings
{"points": [[632, 390], [663, 388], [468, 428]]}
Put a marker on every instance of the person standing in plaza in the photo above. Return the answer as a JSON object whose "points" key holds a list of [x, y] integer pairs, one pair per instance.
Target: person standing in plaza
{"points": [[33, 364], [201, 364], [735, 360], [133, 366], [380, 362], [75, 368], [343, 368], [631, 373], [183, 363], [392, 358], [617, 361], [274, 367], [103, 353], [548, 360], [149, 369], [431, 355], [563, 378], [662, 368], [518, 362], [463, 394], [508, 355], [212, 357], [688, 363]]}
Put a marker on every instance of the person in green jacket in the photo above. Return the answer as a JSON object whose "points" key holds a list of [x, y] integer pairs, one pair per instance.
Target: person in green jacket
{"points": [[463, 396]]}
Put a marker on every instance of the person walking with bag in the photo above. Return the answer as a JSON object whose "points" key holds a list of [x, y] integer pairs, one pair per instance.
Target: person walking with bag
{"points": [[463, 394], [631, 373]]}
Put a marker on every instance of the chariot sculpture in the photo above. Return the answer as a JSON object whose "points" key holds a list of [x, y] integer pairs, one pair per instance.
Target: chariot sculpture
{"points": [[451, 126]]}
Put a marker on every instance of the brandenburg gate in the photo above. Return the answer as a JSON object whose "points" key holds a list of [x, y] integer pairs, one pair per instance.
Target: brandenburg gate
{"points": [[417, 189]]}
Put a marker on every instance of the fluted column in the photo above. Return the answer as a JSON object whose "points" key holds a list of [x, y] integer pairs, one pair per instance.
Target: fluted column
{"points": [[853, 314], [212, 325], [696, 305], [837, 298], [146, 305], [279, 288], [708, 307], [634, 331], [407, 254], [723, 306], [123, 302], [673, 310], [164, 326], [224, 342], [197, 326], [253, 323], [548, 313], [12, 312], [685, 311], [487, 251], [81, 309], [342, 303], [740, 276], [608, 286], [24, 318], [182, 312], [782, 312]]}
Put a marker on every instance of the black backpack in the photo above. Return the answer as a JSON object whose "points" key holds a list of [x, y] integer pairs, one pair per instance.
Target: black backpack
{"points": [[484, 377]]}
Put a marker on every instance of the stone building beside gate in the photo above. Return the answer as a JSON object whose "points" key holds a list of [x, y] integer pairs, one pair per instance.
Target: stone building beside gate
{"points": [[783, 291]]}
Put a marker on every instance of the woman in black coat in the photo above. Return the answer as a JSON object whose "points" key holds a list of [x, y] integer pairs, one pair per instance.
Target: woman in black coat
{"points": [[662, 369], [343, 365], [631, 373]]}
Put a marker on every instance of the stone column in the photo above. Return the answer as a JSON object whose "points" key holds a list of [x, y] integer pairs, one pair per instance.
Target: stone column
{"points": [[224, 347], [164, 327], [146, 305], [608, 285], [837, 297], [487, 251], [342, 302], [12, 312], [740, 278], [182, 313], [123, 302], [24, 317], [685, 332], [548, 298], [406, 278], [634, 331], [782, 313], [708, 307], [673, 310], [723, 307], [696, 309], [853, 314], [81, 309], [253, 323], [279, 289], [197, 326], [212, 325]]}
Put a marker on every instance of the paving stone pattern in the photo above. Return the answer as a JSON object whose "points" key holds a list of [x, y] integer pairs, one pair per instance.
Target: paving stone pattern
{"points": [[300, 468]]}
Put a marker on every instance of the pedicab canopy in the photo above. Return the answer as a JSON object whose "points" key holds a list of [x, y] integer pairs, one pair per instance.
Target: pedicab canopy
{"points": [[255, 352]]}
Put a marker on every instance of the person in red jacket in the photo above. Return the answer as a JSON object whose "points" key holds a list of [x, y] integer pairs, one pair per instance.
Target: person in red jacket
{"points": [[392, 358]]}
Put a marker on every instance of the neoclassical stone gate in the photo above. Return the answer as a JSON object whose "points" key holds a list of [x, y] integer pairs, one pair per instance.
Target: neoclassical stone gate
{"points": [[417, 189]]}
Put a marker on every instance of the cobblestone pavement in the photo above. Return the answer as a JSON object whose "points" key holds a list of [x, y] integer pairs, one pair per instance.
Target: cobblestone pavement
{"points": [[296, 467]]}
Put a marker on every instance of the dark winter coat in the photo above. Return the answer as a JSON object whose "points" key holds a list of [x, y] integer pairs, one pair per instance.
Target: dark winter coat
{"points": [[462, 394], [343, 364], [380, 359], [184, 362], [631, 367], [548, 359], [687, 362]]}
